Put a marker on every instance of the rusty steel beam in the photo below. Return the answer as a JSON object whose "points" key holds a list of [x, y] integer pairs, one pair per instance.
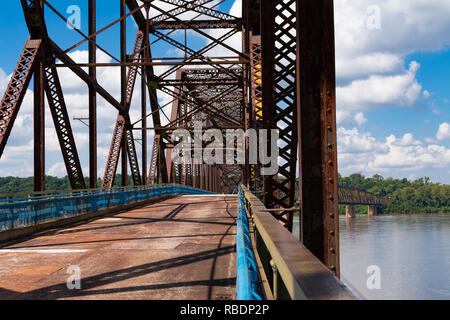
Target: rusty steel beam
{"points": [[163, 17], [63, 128], [16, 89], [212, 62], [199, 55], [132, 157], [197, 24], [34, 16], [191, 5], [278, 51], [130, 84], [92, 96], [67, 61], [144, 124], [39, 127], [144, 26], [316, 83], [206, 35], [121, 128], [114, 153], [256, 182], [153, 169], [203, 82], [123, 87]]}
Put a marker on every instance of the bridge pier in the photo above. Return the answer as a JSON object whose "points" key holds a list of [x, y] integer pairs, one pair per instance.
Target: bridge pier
{"points": [[350, 211], [372, 211]]}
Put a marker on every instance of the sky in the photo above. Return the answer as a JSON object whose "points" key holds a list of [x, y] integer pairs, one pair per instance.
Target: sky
{"points": [[393, 100]]}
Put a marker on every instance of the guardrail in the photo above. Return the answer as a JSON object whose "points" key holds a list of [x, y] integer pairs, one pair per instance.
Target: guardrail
{"points": [[288, 270], [23, 212], [247, 287]]}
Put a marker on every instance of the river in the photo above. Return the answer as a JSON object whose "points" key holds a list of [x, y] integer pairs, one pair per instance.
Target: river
{"points": [[411, 254]]}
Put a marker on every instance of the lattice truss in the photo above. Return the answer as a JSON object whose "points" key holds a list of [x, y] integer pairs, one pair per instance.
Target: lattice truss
{"points": [[222, 90], [210, 88], [280, 189], [214, 99]]}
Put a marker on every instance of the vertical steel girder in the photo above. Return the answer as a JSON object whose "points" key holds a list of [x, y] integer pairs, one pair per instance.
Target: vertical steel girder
{"points": [[256, 182], [39, 128], [123, 87], [144, 125], [278, 45], [92, 97], [316, 81]]}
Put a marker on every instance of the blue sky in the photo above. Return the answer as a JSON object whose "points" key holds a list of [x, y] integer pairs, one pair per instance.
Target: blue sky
{"points": [[427, 114], [393, 85]]}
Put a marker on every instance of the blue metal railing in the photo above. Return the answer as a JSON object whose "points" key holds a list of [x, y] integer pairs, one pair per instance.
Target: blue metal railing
{"points": [[247, 273], [22, 212]]}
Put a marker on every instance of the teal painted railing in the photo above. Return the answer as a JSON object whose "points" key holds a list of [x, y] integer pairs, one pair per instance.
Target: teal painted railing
{"points": [[22, 212], [247, 287]]}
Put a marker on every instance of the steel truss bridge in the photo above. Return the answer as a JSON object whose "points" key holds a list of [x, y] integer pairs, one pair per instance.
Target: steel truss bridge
{"points": [[282, 77]]}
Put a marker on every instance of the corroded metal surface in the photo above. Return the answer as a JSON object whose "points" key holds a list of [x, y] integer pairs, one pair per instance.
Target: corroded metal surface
{"points": [[182, 248]]}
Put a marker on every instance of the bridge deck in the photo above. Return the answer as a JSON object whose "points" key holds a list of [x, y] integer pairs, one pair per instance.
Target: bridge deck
{"points": [[181, 248]]}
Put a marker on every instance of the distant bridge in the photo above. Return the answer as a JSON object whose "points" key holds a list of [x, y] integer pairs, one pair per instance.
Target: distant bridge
{"points": [[355, 196]]}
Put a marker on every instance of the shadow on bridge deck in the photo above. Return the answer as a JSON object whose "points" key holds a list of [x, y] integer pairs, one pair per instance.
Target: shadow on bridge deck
{"points": [[181, 248]]}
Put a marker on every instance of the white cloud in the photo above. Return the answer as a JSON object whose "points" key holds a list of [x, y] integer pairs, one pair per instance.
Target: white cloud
{"points": [[360, 119], [443, 132], [58, 170], [361, 152], [402, 89], [370, 62]]}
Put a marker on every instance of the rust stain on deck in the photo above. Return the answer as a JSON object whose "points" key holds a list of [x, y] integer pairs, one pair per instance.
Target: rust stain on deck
{"points": [[181, 248]]}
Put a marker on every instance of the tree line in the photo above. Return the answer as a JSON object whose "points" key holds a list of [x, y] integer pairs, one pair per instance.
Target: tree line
{"points": [[19, 185], [404, 196]]}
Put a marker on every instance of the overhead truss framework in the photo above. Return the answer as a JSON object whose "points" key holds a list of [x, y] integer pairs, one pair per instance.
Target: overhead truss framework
{"points": [[278, 74]]}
